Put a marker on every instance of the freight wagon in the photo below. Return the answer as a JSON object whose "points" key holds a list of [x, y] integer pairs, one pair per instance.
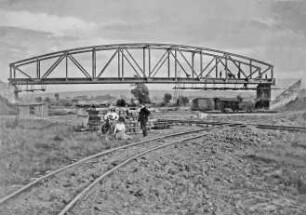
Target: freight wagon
{"points": [[224, 104], [203, 104]]}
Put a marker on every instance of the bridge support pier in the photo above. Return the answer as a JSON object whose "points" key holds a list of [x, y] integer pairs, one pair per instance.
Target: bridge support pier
{"points": [[263, 96]]}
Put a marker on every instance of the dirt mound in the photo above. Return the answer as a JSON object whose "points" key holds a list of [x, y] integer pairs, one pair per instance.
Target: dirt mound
{"points": [[298, 104], [231, 171], [7, 108]]}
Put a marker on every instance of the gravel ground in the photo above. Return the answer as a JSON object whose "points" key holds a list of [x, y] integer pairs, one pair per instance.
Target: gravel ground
{"points": [[232, 171], [293, 118], [51, 195]]}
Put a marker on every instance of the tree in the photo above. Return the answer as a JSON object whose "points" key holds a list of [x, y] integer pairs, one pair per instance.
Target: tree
{"points": [[66, 102], [182, 101], [56, 95], [121, 103], [167, 98], [133, 102], [141, 92], [47, 99], [239, 98]]}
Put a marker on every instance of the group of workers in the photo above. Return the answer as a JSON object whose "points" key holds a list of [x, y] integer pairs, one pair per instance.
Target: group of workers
{"points": [[115, 124]]}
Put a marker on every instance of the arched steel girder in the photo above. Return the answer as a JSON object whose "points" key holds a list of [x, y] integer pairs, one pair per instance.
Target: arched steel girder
{"points": [[177, 64]]}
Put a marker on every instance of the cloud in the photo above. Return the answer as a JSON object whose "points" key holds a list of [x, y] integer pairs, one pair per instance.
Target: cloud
{"points": [[270, 30], [58, 26], [290, 14]]}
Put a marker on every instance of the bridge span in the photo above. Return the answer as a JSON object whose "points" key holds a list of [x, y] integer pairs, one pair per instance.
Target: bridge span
{"points": [[146, 63], [141, 63]]}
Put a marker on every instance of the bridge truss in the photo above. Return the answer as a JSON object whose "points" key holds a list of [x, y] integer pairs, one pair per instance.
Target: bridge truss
{"points": [[141, 63]]}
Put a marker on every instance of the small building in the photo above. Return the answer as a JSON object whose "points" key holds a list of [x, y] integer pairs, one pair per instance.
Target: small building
{"points": [[27, 110]]}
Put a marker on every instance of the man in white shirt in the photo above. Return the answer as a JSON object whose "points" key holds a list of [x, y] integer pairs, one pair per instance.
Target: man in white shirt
{"points": [[111, 117]]}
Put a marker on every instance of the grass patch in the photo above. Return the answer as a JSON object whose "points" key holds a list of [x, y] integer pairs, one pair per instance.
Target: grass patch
{"points": [[297, 145], [294, 179], [285, 160], [29, 148]]}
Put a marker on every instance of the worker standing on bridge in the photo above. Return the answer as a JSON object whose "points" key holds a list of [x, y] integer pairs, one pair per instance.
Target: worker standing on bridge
{"points": [[143, 119]]}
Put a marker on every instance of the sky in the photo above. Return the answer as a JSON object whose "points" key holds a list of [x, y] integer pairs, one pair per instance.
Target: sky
{"points": [[270, 30]]}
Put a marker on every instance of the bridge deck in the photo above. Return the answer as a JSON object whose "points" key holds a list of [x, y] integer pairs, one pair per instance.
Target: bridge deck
{"points": [[127, 80]]}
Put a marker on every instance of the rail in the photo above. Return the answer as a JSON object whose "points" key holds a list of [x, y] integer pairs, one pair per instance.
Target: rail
{"points": [[100, 154], [125, 162], [240, 124]]}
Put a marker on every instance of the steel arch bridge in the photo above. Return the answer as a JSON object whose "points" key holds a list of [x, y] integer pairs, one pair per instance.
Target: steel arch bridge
{"points": [[141, 63]]}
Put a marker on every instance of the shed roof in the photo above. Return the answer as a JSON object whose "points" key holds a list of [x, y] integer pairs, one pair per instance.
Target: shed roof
{"points": [[30, 104]]}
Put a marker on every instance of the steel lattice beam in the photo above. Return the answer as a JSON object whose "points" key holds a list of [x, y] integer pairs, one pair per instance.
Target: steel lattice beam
{"points": [[177, 64]]}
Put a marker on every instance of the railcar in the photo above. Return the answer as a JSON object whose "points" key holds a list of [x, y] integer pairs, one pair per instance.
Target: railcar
{"points": [[226, 104]]}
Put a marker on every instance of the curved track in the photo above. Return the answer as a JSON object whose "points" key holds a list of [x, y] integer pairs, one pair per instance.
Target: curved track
{"points": [[71, 180], [123, 163]]}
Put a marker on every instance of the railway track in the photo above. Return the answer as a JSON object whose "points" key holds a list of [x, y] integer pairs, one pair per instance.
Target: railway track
{"points": [[68, 185], [232, 124]]}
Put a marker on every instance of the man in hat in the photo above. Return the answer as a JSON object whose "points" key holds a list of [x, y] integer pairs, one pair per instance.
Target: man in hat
{"points": [[143, 119]]}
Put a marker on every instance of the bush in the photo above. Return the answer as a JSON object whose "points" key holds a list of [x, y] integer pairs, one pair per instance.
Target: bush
{"points": [[121, 103], [47, 99], [167, 98], [65, 102], [182, 101], [38, 99], [56, 95]]}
